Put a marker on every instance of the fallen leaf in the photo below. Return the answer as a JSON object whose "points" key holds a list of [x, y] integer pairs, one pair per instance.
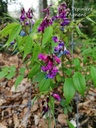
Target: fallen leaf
{"points": [[2, 126], [62, 119]]}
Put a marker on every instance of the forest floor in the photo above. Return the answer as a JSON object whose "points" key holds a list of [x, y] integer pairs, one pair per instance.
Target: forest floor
{"points": [[16, 111]]}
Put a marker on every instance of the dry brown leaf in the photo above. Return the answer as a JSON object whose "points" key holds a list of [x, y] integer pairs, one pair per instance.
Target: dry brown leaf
{"points": [[44, 123], [2, 101], [22, 86], [36, 119], [34, 107], [16, 120], [62, 119], [2, 126]]}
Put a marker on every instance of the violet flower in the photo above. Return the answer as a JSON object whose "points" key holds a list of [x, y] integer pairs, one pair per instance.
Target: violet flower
{"points": [[45, 109], [45, 23], [23, 15], [50, 63], [55, 39], [52, 73], [42, 57], [56, 96], [62, 14], [29, 14], [60, 49]]}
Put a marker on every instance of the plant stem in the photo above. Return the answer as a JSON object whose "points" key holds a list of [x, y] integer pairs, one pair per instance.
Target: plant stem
{"points": [[62, 63]]}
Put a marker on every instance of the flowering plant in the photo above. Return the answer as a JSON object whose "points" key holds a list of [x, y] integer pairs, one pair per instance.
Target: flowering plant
{"points": [[43, 46]]}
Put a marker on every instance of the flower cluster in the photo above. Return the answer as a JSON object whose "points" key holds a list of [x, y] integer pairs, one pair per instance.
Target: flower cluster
{"points": [[45, 102], [60, 49], [62, 14], [26, 20], [50, 62], [25, 15], [47, 21]]}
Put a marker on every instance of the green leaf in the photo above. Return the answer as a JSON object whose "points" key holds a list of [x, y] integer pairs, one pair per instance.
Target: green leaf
{"points": [[88, 18], [8, 29], [22, 70], [18, 80], [93, 74], [34, 71], [87, 51], [69, 108], [70, 124], [79, 82], [39, 76], [36, 25], [76, 63], [44, 85], [18, 39], [12, 71], [47, 35], [3, 74], [65, 111], [28, 46], [36, 51], [51, 104], [68, 89], [13, 34], [79, 31]]}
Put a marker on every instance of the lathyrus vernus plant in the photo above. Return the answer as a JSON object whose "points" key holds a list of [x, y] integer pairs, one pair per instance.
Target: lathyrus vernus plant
{"points": [[49, 65]]}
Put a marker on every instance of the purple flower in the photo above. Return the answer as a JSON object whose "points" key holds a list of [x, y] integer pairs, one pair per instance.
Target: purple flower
{"points": [[29, 14], [23, 14], [45, 23], [45, 109], [62, 14], [42, 57], [49, 65], [45, 106], [56, 49], [55, 39], [56, 96], [52, 73], [27, 23], [57, 59], [54, 18], [22, 17], [61, 44], [66, 51], [65, 22]]}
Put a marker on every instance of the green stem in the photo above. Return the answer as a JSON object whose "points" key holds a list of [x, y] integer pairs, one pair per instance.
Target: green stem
{"points": [[62, 63]]}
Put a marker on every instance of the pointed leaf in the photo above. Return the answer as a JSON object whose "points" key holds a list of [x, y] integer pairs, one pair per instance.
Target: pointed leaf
{"points": [[34, 71], [70, 124], [36, 51], [51, 104], [36, 25], [18, 80], [88, 18], [79, 82], [12, 71], [22, 70], [14, 33], [44, 85], [8, 29], [68, 89], [28, 46], [47, 35], [93, 74]]}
